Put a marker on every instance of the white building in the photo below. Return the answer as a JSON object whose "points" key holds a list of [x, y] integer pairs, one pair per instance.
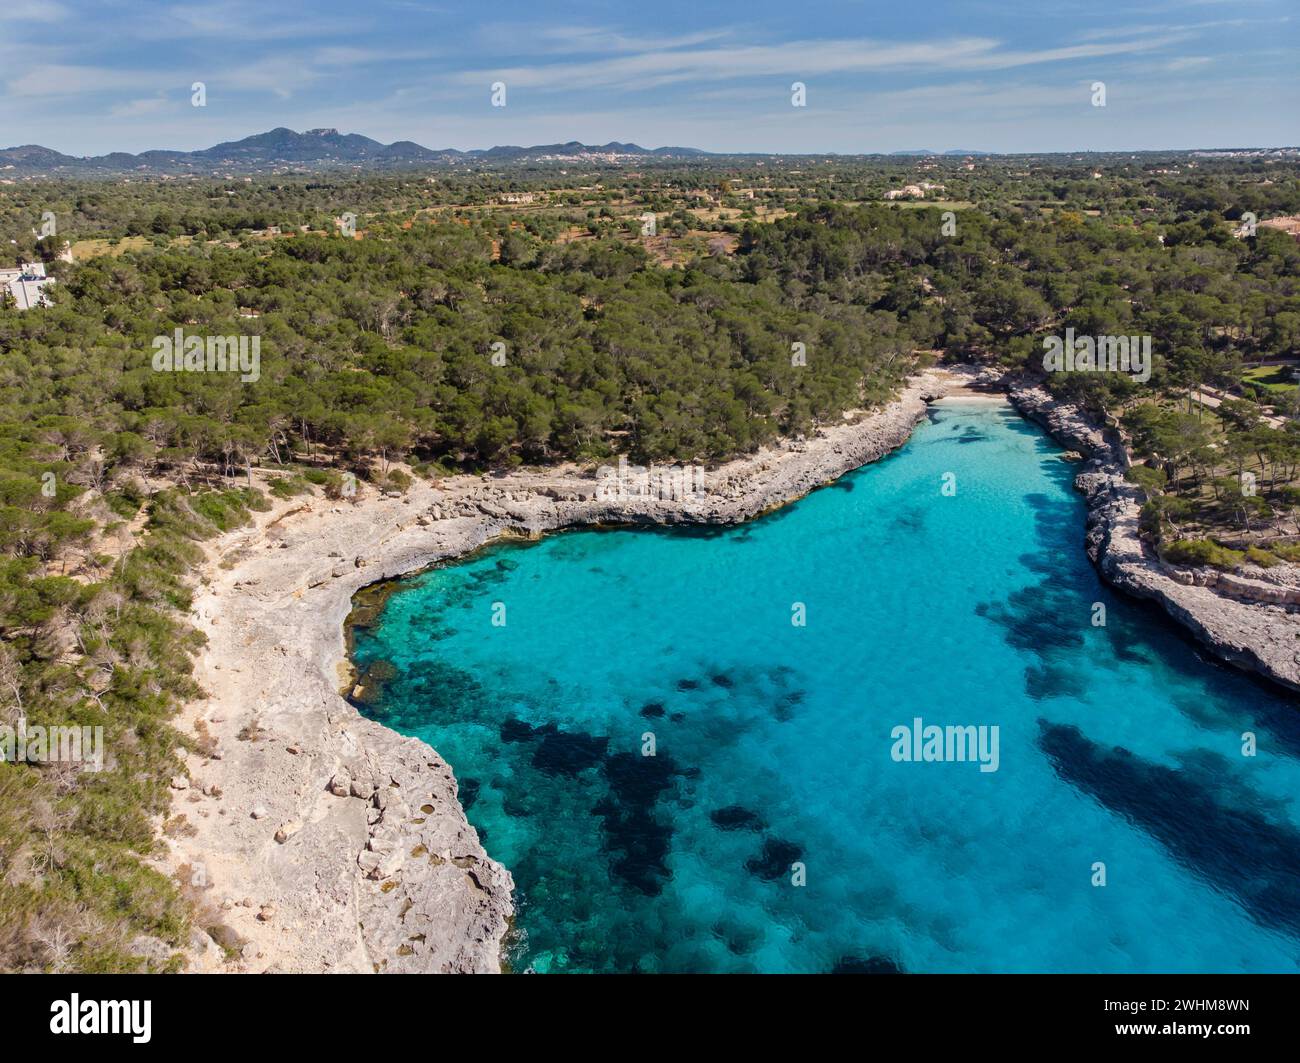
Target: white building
{"points": [[916, 191], [27, 284]]}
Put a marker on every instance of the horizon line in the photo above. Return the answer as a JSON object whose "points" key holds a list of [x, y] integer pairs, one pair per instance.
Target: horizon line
{"points": [[684, 147]]}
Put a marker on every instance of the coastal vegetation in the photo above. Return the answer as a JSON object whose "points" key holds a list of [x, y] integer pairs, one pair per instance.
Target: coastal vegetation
{"points": [[454, 332]]}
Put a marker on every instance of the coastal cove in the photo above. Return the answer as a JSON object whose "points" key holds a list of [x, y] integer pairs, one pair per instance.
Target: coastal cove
{"points": [[348, 835], [354, 834], [1121, 746]]}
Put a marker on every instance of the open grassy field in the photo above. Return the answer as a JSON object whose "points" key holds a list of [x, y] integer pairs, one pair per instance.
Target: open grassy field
{"points": [[84, 249], [1276, 379]]}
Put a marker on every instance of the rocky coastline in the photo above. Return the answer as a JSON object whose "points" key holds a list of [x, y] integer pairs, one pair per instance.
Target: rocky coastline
{"points": [[317, 840], [1243, 619]]}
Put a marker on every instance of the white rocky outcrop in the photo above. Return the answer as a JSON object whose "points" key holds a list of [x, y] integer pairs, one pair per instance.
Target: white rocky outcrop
{"points": [[1243, 621]]}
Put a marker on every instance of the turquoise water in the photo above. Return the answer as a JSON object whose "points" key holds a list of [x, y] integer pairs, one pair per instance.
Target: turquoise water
{"points": [[1117, 745]]}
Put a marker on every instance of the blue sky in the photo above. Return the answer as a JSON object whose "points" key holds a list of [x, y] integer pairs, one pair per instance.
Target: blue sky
{"points": [[87, 78]]}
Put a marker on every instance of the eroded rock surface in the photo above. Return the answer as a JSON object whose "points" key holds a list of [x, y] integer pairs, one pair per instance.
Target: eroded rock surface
{"points": [[1243, 621]]}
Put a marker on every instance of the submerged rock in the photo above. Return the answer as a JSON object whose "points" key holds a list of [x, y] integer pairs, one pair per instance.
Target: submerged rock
{"points": [[736, 817], [871, 965], [775, 860]]}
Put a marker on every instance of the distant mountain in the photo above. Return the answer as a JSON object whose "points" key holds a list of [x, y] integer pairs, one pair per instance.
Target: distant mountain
{"points": [[285, 151], [315, 145], [32, 156], [574, 147], [316, 149]]}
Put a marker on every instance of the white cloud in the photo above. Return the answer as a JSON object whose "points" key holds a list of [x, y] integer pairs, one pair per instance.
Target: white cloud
{"points": [[61, 79], [137, 108], [795, 59], [32, 11], [799, 60], [245, 20], [588, 39]]}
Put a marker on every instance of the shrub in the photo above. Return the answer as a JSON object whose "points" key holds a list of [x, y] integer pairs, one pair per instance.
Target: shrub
{"points": [[1151, 480], [397, 480], [1261, 557], [1202, 552], [288, 486]]}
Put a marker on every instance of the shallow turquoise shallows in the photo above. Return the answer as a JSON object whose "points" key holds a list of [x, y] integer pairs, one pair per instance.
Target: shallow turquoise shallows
{"points": [[1118, 745]]}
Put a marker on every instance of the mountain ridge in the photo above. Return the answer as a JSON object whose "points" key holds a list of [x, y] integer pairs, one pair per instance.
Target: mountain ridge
{"points": [[282, 150], [314, 148]]}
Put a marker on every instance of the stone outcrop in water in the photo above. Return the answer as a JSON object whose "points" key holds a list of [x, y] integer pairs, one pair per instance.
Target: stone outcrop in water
{"points": [[1243, 621]]}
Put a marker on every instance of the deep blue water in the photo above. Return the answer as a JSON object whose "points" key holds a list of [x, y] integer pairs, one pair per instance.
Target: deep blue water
{"points": [[1118, 744]]}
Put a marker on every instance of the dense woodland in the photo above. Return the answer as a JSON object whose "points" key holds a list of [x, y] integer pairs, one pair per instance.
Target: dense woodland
{"points": [[377, 357]]}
